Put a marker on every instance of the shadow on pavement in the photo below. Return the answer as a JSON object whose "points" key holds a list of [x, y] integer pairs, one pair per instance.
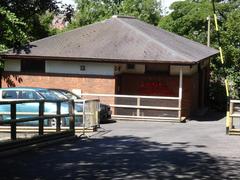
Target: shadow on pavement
{"points": [[109, 121], [119, 157], [210, 115]]}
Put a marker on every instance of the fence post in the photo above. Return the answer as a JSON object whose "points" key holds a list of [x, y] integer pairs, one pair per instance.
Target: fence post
{"points": [[229, 118], [180, 95], [97, 113], [41, 120], [84, 116], [72, 115], [58, 119], [13, 124], [138, 104]]}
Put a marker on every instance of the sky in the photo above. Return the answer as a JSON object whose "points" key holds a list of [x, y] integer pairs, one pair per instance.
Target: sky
{"points": [[165, 3], [68, 1]]}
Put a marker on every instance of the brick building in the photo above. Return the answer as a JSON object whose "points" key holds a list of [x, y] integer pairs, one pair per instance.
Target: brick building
{"points": [[121, 55]]}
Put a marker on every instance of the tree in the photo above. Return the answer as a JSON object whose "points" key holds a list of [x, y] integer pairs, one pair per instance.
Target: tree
{"points": [[188, 19], [35, 14], [21, 22], [12, 30], [90, 11]]}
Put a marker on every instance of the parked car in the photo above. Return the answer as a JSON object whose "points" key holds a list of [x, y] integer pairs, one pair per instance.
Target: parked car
{"points": [[105, 110], [30, 109]]}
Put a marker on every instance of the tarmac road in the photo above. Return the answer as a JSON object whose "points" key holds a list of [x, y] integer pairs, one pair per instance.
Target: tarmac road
{"points": [[136, 150]]}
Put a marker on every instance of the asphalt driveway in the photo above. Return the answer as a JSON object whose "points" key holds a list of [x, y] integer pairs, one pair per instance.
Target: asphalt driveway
{"points": [[136, 150]]}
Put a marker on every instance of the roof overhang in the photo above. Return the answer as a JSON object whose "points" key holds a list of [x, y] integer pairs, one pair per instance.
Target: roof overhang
{"points": [[101, 60]]}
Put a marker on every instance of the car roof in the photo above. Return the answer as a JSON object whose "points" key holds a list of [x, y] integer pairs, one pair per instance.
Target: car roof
{"points": [[57, 89], [24, 88], [64, 90]]}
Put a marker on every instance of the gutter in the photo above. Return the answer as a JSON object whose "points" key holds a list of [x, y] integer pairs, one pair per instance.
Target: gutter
{"points": [[101, 60]]}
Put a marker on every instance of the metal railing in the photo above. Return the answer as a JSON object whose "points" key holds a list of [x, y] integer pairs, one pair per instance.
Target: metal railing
{"points": [[233, 123]]}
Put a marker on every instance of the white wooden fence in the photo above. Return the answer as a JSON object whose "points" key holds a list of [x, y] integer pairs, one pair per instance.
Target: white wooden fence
{"points": [[138, 107], [233, 123]]}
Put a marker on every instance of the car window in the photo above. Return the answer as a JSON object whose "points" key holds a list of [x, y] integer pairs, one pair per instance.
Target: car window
{"points": [[69, 95], [20, 94], [9, 94], [28, 95], [60, 95], [48, 95]]}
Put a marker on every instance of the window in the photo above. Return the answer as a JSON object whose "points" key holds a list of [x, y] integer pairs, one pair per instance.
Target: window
{"points": [[20, 94], [82, 68], [28, 95], [70, 95], [130, 66], [157, 69], [9, 95], [117, 68], [48, 95], [37, 66], [58, 94]]}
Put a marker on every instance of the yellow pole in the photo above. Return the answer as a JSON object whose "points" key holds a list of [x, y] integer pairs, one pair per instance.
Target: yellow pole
{"points": [[228, 120], [221, 55], [226, 86], [216, 23]]}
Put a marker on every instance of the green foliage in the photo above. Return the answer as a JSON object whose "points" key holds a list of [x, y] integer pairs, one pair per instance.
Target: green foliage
{"points": [[189, 19], [90, 11], [146, 10], [231, 44], [35, 15], [29, 12], [21, 22], [12, 30]]}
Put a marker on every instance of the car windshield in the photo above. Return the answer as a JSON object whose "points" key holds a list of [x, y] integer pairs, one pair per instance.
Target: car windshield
{"points": [[48, 95], [59, 94], [69, 94]]}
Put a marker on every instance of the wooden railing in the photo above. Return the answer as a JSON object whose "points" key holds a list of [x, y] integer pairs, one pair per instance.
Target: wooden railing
{"points": [[234, 115], [90, 114], [40, 117], [138, 107]]}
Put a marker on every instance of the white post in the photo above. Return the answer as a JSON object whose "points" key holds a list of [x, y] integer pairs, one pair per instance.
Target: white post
{"points": [[180, 94], [138, 104], [230, 119], [208, 32]]}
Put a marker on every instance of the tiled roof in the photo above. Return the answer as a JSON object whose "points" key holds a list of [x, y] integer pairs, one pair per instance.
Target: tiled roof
{"points": [[118, 39]]}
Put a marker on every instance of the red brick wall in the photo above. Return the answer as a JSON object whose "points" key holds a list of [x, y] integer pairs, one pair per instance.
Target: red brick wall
{"points": [[168, 86], [190, 94], [106, 85], [94, 84]]}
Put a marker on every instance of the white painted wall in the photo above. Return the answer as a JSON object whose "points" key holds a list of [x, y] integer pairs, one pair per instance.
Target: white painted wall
{"points": [[187, 70], [72, 67], [12, 65], [108, 69]]}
